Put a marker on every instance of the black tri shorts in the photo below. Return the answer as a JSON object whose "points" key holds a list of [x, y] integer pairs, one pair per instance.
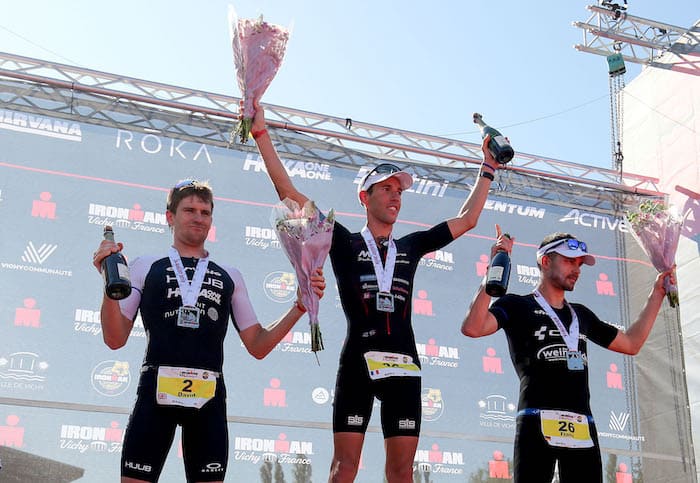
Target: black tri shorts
{"points": [[151, 430], [399, 397]]}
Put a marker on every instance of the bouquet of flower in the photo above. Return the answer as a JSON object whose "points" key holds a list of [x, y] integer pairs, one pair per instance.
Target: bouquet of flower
{"points": [[657, 229], [305, 235], [258, 50]]}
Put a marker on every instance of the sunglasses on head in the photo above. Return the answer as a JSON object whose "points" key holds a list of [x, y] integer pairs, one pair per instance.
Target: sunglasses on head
{"points": [[573, 244], [185, 183], [385, 168]]}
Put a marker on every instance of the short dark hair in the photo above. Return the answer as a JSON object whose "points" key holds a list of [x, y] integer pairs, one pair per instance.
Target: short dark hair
{"points": [[189, 187]]}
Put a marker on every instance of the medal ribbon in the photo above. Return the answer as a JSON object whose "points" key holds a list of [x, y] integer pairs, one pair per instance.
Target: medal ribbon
{"points": [[384, 272], [570, 336], [189, 291]]}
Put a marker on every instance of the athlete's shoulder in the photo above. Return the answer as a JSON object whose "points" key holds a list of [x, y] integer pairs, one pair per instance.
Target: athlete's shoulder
{"points": [[514, 300], [436, 232], [233, 273], [583, 310], [143, 263]]}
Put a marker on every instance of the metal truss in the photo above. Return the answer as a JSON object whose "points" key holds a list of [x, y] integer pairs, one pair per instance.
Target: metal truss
{"points": [[611, 30], [120, 102]]}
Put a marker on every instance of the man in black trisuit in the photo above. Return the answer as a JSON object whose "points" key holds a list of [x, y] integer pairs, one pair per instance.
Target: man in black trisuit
{"points": [[547, 338], [375, 274], [185, 300]]}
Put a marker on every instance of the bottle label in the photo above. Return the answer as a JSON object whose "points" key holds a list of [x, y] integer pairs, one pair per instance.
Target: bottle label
{"points": [[123, 271], [501, 141], [495, 274]]}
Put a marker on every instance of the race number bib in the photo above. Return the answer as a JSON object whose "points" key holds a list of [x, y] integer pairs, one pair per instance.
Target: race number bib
{"points": [[565, 429], [181, 386], [389, 364]]}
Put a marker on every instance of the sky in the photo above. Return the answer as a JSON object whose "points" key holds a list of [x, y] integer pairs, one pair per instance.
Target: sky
{"points": [[414, 66]]}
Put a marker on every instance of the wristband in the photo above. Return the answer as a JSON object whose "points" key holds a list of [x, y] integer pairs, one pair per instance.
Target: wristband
{"points": [[299, 307], [491, 168], [257, 134], [487, 175]]}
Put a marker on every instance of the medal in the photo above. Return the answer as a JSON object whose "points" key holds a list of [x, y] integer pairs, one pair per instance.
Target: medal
{"points": [[188, 316], [574, 361], [385, 302]]}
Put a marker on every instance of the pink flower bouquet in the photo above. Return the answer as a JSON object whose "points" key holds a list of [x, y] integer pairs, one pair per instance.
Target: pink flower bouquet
{"points": [[305, 235], [657, 229], [258, 50]]}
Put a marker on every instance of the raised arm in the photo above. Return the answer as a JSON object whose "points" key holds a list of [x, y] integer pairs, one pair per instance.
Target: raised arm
{"points": [[631, 341], [478, 321], [471, 209], [115, 326], [275, 169]]}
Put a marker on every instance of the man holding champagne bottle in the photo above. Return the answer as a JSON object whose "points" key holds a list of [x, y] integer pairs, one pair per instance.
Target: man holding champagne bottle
{"points": [[185, 300], [554, 415], [375, 274]]}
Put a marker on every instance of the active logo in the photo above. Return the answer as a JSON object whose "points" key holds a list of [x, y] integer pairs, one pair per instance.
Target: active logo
{"points": [[593, 220]]}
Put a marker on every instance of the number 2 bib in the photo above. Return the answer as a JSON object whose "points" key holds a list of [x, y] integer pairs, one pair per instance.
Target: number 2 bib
{"points": [[181, 386], [565, 429]]}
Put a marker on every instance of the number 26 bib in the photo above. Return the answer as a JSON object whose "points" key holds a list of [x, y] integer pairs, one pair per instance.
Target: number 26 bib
{"points": [[565, 429]]}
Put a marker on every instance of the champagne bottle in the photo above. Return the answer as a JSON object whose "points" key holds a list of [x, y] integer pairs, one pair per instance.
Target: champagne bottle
{"points": [[115, 272], [498, 274], [499, 146]]}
